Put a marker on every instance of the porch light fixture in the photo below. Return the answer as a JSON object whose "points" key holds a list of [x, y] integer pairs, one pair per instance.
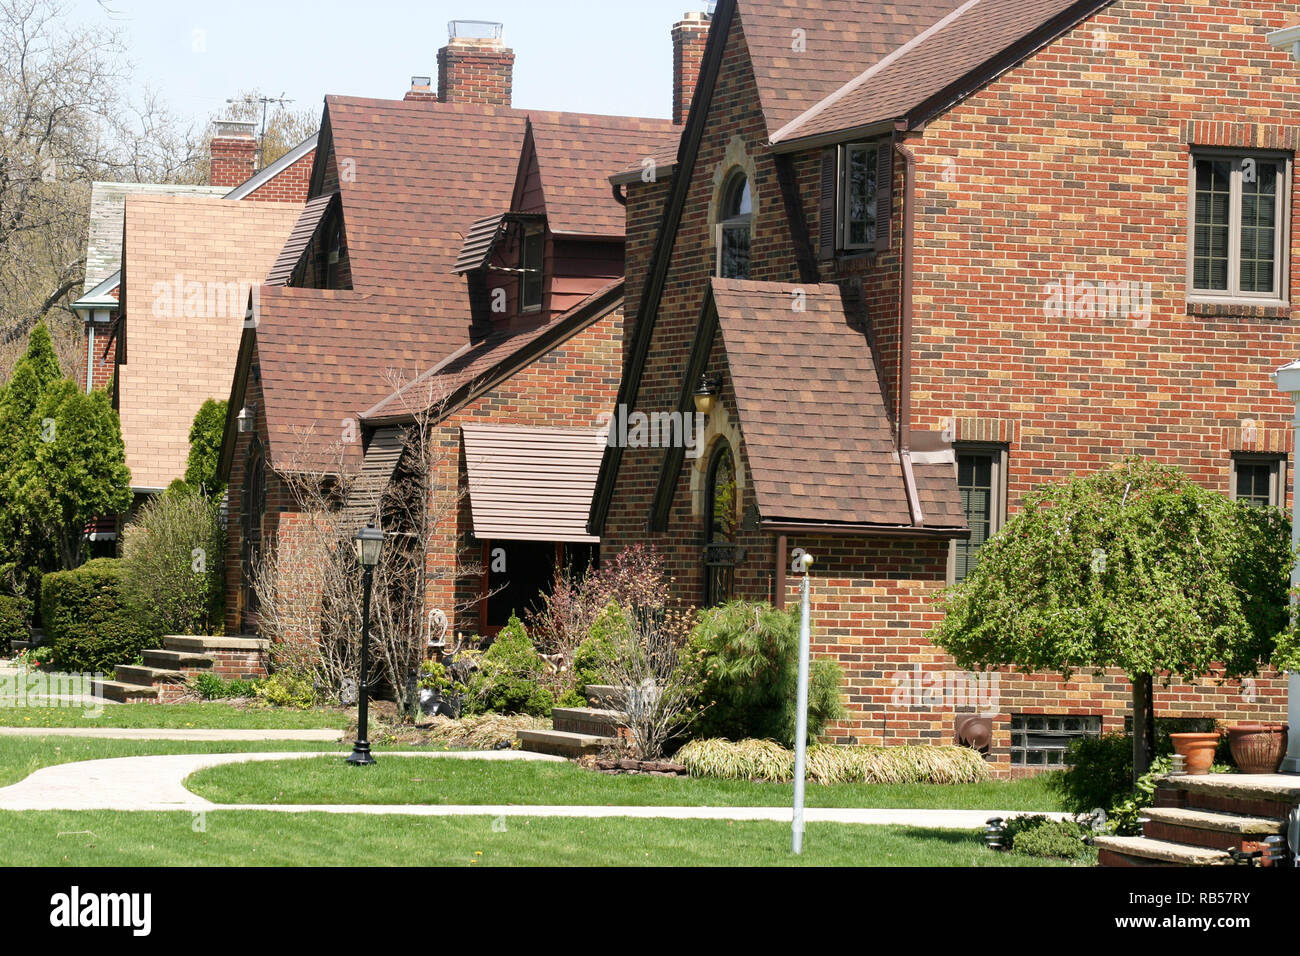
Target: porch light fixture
{"points": [[246, 419], [706, 393], [370, 545]]}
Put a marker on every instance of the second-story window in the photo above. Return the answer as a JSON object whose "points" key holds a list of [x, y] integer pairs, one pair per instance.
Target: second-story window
{"points": [[735, 215], [333, 253], [531, 256], [1238, 241], [858, 197]]}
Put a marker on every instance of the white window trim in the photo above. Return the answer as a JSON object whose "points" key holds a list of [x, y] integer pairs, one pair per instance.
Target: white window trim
{"points": [[1280, 297], [843, 227]]}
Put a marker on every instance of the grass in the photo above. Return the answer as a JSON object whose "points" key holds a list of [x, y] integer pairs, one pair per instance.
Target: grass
{"points": [[208, 715], [405, 781], [21, 756], [253, 838]]}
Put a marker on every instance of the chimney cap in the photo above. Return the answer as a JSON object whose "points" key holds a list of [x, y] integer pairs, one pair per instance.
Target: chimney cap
{"points": [[697, 16], [475, 30], [235, 129], [421, 82]]}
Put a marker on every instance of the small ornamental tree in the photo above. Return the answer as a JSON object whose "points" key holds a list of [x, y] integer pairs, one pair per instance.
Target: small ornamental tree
{"points": [[205, 449], [1135, 568]]}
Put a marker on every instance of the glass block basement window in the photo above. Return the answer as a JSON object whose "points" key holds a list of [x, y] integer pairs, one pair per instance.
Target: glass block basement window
{"points": [[1039, 740]]}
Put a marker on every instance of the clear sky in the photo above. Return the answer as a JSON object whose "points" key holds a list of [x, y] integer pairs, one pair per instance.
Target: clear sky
{"points": [[581, 55]]}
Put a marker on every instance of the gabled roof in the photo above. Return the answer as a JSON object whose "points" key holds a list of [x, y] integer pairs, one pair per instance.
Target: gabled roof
{"points": [[819, 440], [575, 155], [325, 356], [189, 263], [104, 237], [299, 239], [935, 60], [841, 37]]}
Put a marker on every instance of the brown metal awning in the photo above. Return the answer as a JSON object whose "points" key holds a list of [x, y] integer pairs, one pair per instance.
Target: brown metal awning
{"points": [[532, 484], [484, 237]]}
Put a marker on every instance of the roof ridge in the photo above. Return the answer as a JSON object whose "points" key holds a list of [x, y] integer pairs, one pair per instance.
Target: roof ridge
{"points": [[853, 84]]}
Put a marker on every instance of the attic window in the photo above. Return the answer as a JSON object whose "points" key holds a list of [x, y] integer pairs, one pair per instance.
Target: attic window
{"points": [[737, 211], [531, 256], [856, 198], [333, 254]]}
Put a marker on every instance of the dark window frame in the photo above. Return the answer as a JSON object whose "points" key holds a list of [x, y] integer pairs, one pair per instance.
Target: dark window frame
{"points": [[721, 553], [844, 220], [1276, 465], [735, 218], [997, 455], [532, 285]]}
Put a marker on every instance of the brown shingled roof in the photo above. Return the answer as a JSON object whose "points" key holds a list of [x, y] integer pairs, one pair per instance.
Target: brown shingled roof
{"points": [[842, 37], [298, 240], [811, 411], [939, 56], [576, 153]]}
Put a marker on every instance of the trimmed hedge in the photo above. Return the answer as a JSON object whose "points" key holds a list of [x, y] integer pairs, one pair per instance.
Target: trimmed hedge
{"points": [[90, 625], [15, 618]]}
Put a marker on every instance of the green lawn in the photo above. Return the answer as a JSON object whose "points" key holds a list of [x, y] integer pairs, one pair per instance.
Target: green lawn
{"points": [[252, 838], [212, 714], [405, 780], [21, 756]]}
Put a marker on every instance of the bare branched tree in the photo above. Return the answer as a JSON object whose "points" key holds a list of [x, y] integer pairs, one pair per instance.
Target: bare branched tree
{"points": [[645, 660]]}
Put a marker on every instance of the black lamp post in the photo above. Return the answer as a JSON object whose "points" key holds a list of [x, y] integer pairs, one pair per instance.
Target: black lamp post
{"points": [[370, 544]]}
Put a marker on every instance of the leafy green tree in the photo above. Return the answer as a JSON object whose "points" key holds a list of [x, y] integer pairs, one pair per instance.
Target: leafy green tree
{"points": [[74, 470], [172, 565], [1135, 568], [205, 449]]}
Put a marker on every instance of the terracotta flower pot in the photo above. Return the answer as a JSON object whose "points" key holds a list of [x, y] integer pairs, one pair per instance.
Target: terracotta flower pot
{"points": [[1197, 749], [1258, 748]]}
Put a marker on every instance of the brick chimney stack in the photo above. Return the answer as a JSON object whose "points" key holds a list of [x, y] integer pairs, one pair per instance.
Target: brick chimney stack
{"points": [[234, 153], [690, 35], [421, 89], [475, 66]]}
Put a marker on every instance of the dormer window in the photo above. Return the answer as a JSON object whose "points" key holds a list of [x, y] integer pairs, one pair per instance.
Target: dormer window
{"points": [[737, 212], [333, 254], [530, 282]]}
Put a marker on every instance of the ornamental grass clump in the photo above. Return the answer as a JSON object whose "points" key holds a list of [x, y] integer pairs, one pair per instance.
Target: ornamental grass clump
{"points": [[830, 764]]}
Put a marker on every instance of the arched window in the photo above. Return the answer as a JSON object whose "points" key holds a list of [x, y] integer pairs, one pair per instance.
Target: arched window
{"points": [[734, 218], [253, 507], [720, 551]]}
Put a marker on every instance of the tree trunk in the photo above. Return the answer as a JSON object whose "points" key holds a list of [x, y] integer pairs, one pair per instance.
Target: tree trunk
{"points": [[1144, 725]]}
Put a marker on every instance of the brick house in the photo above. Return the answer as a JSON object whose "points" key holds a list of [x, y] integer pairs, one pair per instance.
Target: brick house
{"points": [[925, 257], [451, 242]]}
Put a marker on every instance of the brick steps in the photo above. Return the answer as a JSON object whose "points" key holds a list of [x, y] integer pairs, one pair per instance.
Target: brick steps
{"points": [[1198, 820], [593, 721], [166, 672]]}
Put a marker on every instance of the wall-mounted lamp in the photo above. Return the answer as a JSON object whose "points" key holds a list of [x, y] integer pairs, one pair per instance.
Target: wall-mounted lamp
{"points": [[707, 392], [247, 418]]}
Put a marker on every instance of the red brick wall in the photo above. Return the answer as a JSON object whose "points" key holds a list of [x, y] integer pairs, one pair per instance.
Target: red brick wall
{"points": [[233, 160], [471, 72], [102, 363], [690, 36], [584, 371], [289, 185], [1041, 181]]}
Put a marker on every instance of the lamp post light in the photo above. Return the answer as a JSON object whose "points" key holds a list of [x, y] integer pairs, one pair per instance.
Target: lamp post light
{"points": [[370, 545], [706, 393]]}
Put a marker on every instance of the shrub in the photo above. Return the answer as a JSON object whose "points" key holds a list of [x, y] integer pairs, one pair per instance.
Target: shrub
{"points": [[172, 563], [745, 662], [1041, 837], [506, 681], [1099, 773], [828, 763], [90, 623], [287, 689], [15, 620], [212, 687]]}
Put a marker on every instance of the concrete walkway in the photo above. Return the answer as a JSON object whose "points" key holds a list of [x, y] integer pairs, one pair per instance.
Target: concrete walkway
{"points": [[176, 733], [157, 783]]}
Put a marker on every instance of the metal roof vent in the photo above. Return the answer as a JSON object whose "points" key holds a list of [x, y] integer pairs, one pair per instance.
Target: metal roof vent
{"points": [[475, 30]]}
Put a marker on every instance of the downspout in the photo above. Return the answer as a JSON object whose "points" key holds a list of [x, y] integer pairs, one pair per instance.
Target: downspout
{"points": [[90, 354], [905, 337], [620, 196], [781, 541]]}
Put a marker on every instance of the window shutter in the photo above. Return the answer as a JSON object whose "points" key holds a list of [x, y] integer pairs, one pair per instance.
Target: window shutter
{"points": [[884, 193], [827, 206]]}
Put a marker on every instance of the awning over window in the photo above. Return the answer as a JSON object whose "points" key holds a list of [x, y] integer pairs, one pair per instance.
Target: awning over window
{"points": [[532, 484]]}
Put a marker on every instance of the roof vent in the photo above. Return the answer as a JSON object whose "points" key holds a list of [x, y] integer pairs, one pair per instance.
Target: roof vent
{"points": [[474, 30]]}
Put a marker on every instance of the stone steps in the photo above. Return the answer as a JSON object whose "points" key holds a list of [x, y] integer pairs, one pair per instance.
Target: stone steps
{"points": [[166, 671], [587, 720], [177, 660], [124, 693], [1145, 851], [147, 676], [1210, 829], [562, 743]]}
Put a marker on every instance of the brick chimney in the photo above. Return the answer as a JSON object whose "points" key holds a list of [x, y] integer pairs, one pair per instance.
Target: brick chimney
{"points": [[421, 89], [234, 153], [475, 66], [690, 35]]}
